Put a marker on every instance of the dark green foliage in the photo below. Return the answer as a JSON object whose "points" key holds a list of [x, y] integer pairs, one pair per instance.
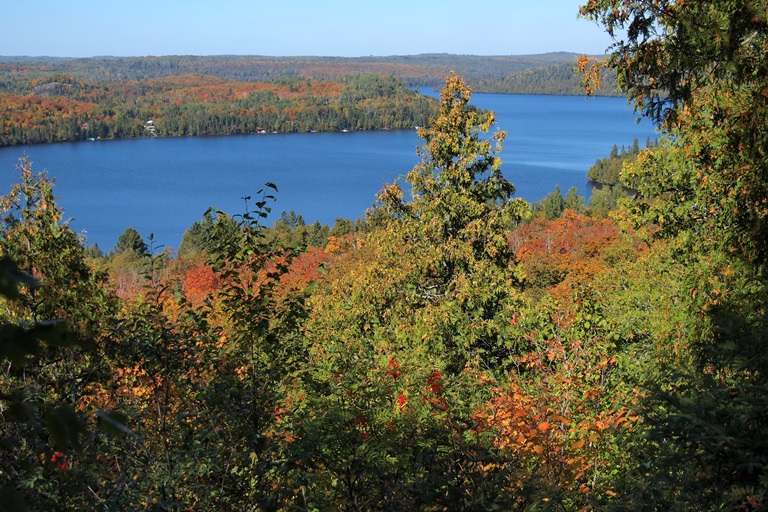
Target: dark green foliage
{"points": [[194, 104], [51, 100], [418, 372], [455, 227], [204, 421], [425, 69], [605, 199], [605, 175], [200, 238], [289, 230], [399, 327], [342, 227], [699, 70], [558, 79], [317, 235], [573, 201], [94, 252], [606, 171], [553, 204], [130, 241]]}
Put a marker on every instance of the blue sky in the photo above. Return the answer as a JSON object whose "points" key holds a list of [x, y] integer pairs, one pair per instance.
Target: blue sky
{"points": [[351, 28]]}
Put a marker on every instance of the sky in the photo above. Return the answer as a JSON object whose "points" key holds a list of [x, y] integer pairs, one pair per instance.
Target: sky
{"points": [[344, 28]]}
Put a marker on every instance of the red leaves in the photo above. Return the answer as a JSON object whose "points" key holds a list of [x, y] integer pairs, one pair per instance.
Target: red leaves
{"points": [[394, 369], [433, 383], [60, 460], [434, 386], [360, 423]]}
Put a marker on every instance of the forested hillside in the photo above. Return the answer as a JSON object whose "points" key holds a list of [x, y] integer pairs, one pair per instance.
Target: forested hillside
{"points": [[63, 108], [47, 100], [454, 350], [560, 79], [426, 69]]}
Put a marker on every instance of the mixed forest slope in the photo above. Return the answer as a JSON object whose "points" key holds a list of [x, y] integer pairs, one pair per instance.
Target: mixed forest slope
{"points": [[562, 78], [57, 99], [60, 107]]}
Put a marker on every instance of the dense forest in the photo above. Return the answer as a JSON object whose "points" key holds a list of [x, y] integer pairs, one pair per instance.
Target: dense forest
{"points": [[47, 100], [457, 349], [63, 108], [560, 78], [413, 70]]}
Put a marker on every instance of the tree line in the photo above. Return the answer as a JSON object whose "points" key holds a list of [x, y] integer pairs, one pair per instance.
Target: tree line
{"points": [[561, 79], [413, 70]]}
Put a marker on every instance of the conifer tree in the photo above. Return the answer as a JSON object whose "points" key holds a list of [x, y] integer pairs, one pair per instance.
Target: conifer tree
{"points": [[455, 226]]}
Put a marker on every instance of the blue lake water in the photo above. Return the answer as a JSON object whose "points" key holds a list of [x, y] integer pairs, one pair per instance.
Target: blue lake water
{"points": [[162, 185]]}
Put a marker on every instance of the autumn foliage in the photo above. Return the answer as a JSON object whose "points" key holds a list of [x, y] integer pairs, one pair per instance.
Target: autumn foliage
{"points": [[62, 108], [449, 352]]}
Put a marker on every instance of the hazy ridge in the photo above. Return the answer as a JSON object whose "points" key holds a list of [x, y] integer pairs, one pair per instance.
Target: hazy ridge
{"points": [[548, 73]]}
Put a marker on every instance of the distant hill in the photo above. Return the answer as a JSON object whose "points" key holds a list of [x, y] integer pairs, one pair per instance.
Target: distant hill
{"points": [[549, 73], [560, 78]]}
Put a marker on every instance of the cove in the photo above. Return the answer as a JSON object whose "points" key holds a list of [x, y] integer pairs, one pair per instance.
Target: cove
{"points": [[160, 186]]}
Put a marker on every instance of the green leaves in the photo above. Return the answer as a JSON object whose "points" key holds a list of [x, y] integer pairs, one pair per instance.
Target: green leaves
{"points": [[114, 423], [699, 70], [453, 230]]}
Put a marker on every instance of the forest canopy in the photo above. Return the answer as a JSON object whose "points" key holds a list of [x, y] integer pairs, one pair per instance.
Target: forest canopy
{"points": [[63, 108]]}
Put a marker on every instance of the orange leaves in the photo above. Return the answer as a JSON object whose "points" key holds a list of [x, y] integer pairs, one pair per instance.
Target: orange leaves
{"points": [[526, 425], [590, 68], [41, 116], [199, 282], [558, 448], [567, 249], [559, 416], [578, 445]]}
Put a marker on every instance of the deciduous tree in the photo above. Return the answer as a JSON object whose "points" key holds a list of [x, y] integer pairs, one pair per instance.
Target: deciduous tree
{"points": [[699, 69]]}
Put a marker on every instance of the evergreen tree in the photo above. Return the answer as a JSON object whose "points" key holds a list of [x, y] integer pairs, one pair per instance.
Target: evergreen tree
{"points": [[553, 204], [342, 227], [130, 241], [317, 235], [573, 201], [401, 324]]}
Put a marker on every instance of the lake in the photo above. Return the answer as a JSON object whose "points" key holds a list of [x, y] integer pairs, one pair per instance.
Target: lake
{"points": [[162, 185]]}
